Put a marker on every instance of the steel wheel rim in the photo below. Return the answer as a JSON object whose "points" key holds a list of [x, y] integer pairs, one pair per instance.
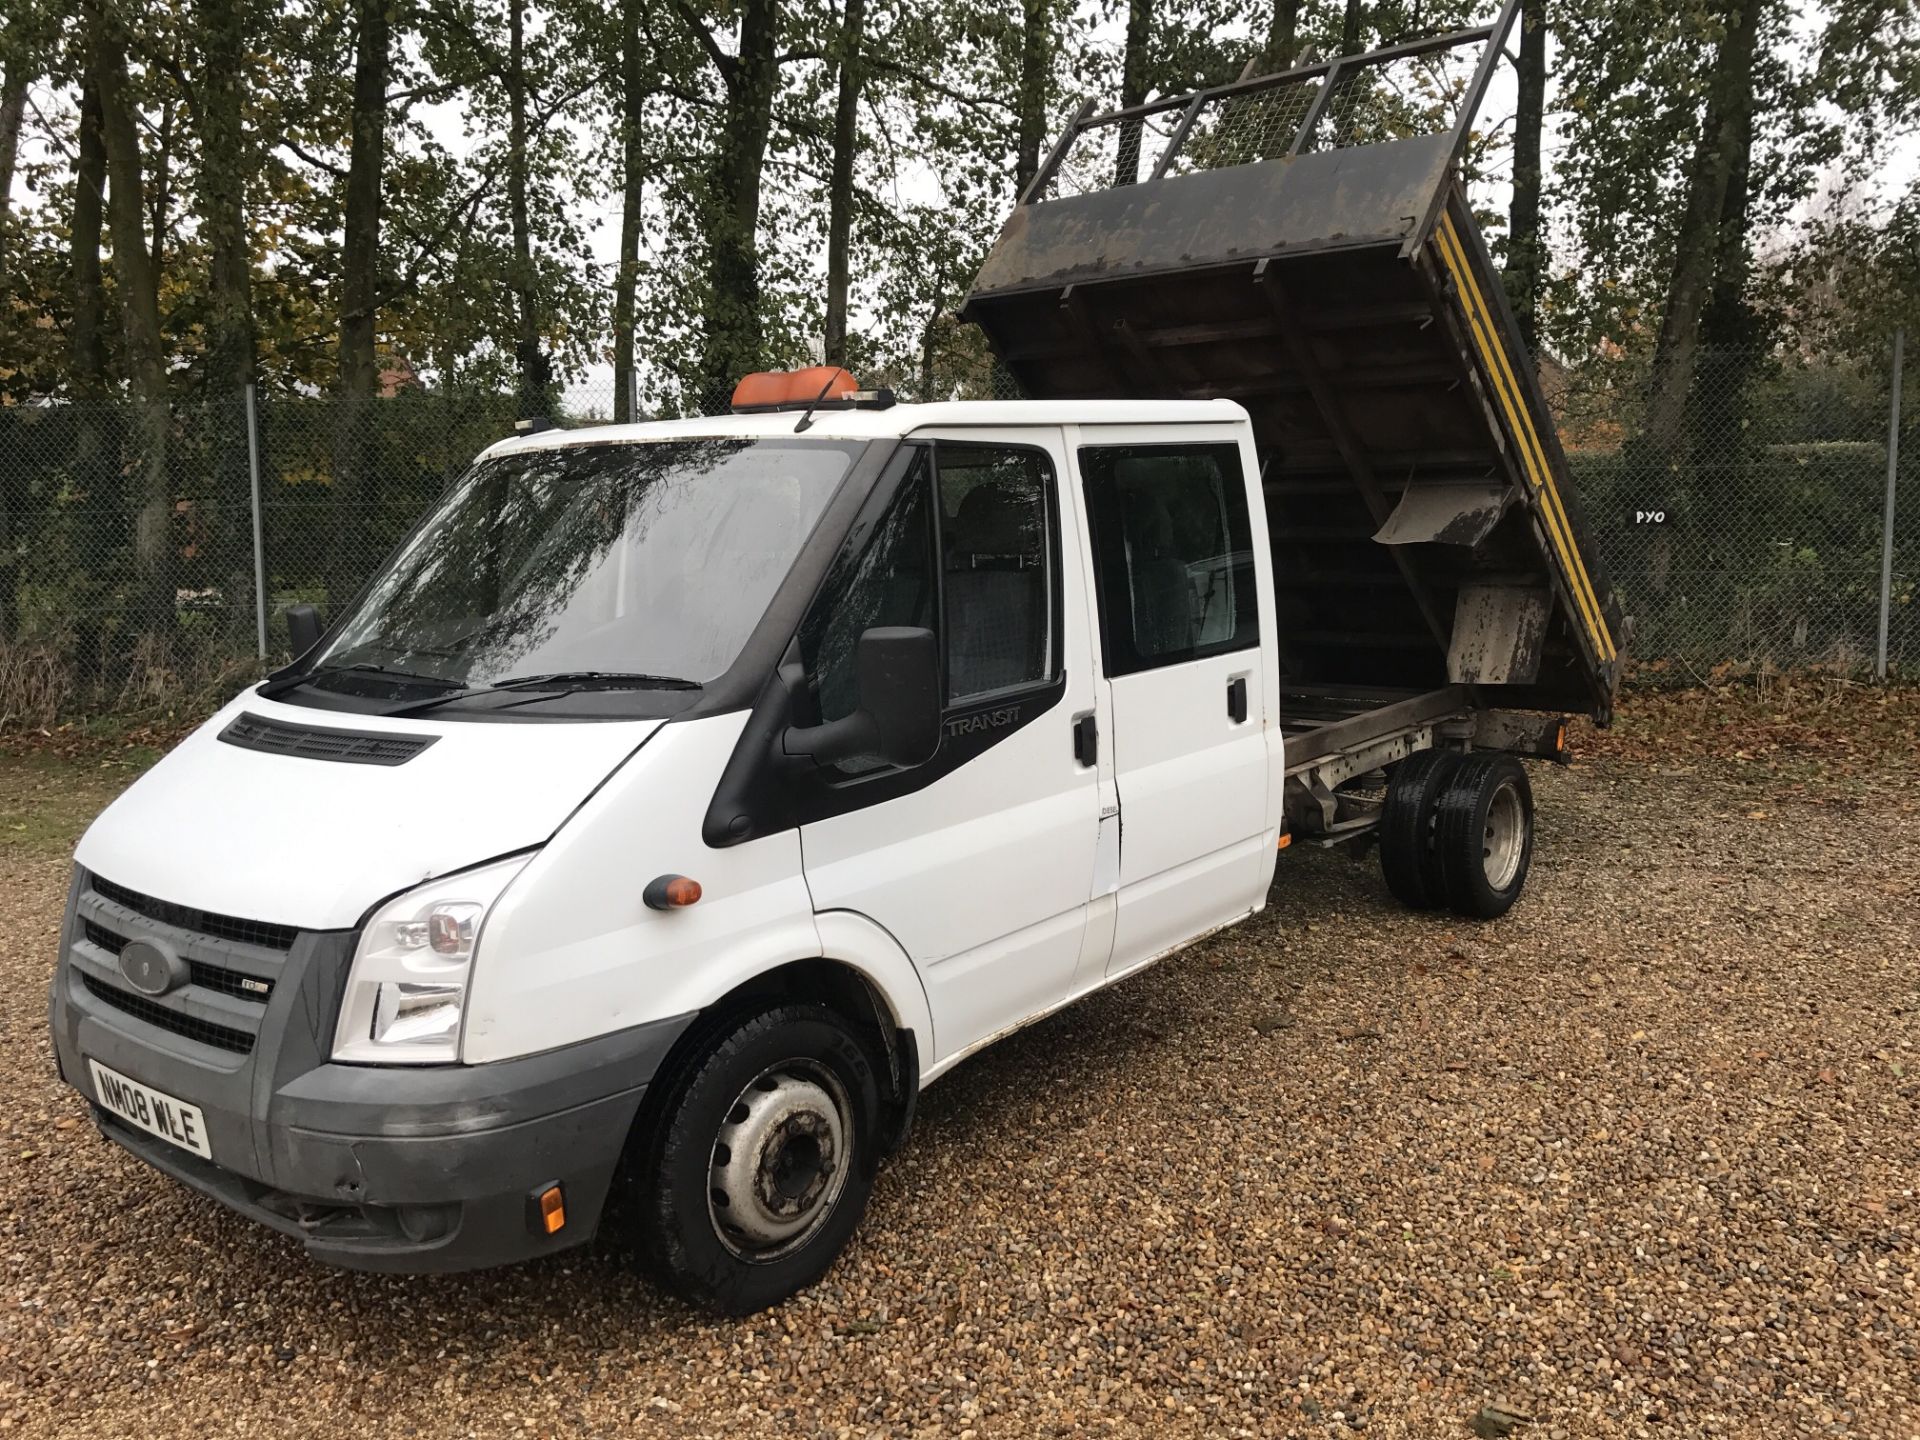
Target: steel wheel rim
{"points": [[1504, 839], [780, 1160]]}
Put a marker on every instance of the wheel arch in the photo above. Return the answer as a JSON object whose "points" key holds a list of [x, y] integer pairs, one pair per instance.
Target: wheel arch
{"points": [[860, 972]]}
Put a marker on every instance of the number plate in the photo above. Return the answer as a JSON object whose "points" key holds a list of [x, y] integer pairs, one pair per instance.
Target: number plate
{"points": [[151, 1110]]}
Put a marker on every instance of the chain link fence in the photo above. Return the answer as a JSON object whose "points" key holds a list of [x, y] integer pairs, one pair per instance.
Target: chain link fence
{"points": [[1747, 539]]}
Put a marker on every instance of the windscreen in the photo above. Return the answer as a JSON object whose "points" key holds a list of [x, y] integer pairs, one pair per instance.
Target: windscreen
{"points": [[653, 558]]}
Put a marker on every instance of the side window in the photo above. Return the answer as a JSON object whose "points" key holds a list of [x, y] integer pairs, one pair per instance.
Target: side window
{"points": [[885, 576], [1173, 553], [997, 544]]}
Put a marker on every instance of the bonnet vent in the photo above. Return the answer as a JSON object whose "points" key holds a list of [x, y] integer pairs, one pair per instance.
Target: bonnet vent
{"points": [[353, 747]]}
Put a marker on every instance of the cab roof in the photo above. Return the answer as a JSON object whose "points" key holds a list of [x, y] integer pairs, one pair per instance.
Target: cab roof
{"points": [[891, 423]]}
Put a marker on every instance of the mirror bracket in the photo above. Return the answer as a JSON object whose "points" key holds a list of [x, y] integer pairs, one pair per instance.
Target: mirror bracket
{"points": [[897, 713]]}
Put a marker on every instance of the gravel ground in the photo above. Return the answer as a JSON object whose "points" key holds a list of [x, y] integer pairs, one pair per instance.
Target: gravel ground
{"points": [[1637, 1160]]}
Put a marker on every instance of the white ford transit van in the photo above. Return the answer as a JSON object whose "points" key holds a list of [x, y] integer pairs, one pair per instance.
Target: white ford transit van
{"points": [[683, 797], [678, 801]]}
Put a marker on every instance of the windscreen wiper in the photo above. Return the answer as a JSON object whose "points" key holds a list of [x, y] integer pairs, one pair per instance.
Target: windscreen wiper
{"points": [[589, 679], [275, 688], [559, 681]]}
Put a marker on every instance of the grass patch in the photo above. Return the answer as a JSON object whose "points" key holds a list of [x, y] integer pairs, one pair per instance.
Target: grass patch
{"points": [[47, 798]]}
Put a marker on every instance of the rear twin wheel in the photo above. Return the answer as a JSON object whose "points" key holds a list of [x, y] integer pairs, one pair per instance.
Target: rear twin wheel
{"points": [[1457, 831]]}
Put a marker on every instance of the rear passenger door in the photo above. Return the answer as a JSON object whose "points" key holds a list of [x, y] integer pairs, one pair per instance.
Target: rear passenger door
{"points": [[980, 861], [1183, 597]]}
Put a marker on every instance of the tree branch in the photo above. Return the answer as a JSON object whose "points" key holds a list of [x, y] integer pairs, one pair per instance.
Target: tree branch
{"points": [[703, 37], [300, 151], [542, 116], [49, 134], [919, 77], [432, 94], [171, 65], [461, 223]]}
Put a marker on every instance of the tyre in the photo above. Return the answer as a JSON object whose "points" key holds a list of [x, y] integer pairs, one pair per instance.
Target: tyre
{"points": [[757, 1162], [1483, 835], [1406, 828]]}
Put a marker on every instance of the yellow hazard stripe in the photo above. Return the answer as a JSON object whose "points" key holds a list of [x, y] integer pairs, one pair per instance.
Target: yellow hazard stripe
{"points": [[1520, 421]]}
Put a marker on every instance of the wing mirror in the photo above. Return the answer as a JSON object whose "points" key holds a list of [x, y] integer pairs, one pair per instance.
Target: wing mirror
{"points": [[897, 717], [304, 628]]}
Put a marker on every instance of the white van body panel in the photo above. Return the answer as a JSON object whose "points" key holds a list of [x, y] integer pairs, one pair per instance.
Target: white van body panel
{"points": [[983, 876], [1199, 793], [572, 951], [314, 843]]}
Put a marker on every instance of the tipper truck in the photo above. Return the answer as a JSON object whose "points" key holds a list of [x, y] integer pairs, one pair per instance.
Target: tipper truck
{"points": [[682, 797]]}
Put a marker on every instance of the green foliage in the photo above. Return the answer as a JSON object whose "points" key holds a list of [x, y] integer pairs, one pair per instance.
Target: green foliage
{"points": [[945, 89]]}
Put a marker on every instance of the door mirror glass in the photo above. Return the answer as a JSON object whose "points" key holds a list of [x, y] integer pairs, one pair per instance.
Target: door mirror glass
{"points": [[896, 717]]}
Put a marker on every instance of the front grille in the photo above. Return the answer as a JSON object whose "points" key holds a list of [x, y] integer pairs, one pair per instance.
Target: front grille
{"points": [[352, 747], [207, 977], [185, 917], [221, 1037]]}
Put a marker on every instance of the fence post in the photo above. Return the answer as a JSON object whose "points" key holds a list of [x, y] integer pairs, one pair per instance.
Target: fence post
{"points": [[259, 551], [1886, 522]]}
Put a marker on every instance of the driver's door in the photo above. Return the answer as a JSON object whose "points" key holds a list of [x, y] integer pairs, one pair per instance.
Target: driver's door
{"points": [[979, 862]]}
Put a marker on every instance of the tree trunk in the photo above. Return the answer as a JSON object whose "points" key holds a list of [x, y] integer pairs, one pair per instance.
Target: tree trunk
{"points": [[536, 390], [1725, 136], [633, 97], [159, 189], [1283, 36], [1350, 27], [1134, 83], [83, 243], [359, 377], [1526, 246], [96, 474], [13, 106], [1036, 59], [140, 315], [225, 162], [846, 136], [224, 165], [928, 332], [1730, 328], [733, 342]]}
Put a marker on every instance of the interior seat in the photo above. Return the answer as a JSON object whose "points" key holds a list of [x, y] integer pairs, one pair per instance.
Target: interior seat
{"points": [[996, 592]]}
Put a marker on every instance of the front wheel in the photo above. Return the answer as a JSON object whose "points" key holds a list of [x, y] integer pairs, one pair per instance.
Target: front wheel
{"points": [[760, 1159]]}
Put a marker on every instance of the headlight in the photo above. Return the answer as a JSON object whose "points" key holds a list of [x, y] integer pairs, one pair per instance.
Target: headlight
{"points": [[407, 987]]}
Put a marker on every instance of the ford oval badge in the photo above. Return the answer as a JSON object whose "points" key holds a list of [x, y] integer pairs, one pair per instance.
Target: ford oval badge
{"points": [[151, 967]]}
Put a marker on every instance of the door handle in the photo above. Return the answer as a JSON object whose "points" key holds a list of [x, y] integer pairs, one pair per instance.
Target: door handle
{"points": [[1086, 740], [1237, 699]]}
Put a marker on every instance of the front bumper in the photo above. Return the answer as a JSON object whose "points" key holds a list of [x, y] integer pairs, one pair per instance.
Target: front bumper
{"points": [[402, 1168]]}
